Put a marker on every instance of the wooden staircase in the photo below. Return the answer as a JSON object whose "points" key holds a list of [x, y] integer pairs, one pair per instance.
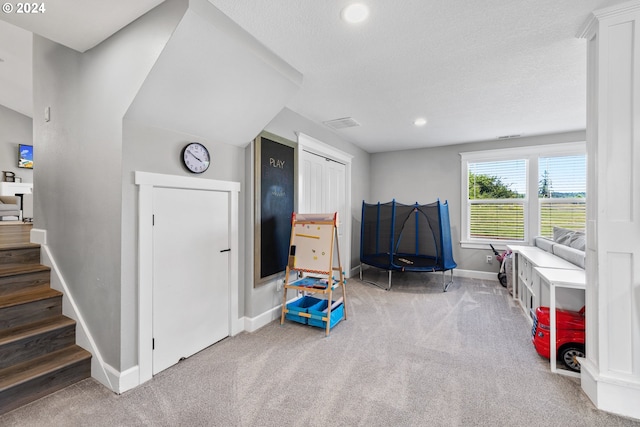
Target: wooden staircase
{"points": [[38, 354]]}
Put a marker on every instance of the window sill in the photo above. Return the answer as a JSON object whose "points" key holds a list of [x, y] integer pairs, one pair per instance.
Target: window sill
{"points": [[500, 245]]}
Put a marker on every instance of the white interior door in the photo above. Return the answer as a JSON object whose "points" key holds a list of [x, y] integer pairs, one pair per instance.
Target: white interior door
{"points": [[324, 191], [190, 272], [335, 200]]}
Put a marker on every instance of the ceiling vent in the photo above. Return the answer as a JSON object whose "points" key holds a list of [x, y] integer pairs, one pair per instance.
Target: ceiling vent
{"points": [[343, 123], [509, 136]]}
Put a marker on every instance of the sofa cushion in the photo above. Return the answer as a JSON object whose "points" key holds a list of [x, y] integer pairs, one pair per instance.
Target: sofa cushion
{"points": [[5, 207], [573, 255], [544, 243]]}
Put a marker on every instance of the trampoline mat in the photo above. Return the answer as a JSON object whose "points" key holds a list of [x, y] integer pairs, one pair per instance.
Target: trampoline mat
{"points": [[402, 262]]}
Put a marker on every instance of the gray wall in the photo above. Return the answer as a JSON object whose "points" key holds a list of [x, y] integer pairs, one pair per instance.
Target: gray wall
{"points": [[286, 124], [86, 198], [428, 174], [15, 128], [78, 199]]}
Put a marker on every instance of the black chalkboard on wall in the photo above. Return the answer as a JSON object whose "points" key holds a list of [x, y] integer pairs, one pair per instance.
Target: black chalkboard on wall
{"points": [[275, 194]]}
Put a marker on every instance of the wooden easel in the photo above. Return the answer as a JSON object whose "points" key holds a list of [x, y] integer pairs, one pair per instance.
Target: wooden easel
{"points": [[311, 251]]}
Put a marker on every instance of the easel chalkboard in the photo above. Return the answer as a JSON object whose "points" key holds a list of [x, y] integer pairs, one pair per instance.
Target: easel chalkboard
{"points": [[275, 193]]}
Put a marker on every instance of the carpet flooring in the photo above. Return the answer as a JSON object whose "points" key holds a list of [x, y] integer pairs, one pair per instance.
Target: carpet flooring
{"points": [[412, 356]]}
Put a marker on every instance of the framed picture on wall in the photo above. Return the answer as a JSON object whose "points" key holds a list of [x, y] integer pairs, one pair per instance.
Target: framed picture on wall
{"points": [[275, 201], [25, 156]]}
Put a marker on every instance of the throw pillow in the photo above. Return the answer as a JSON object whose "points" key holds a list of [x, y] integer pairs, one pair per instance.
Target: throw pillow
{"points": [[562, 235], [578, 240]]}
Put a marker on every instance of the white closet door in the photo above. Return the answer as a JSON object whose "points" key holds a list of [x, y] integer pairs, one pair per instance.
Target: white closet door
{"points": [[190, 272], [336, 200], [313, 170], [324, 191]]}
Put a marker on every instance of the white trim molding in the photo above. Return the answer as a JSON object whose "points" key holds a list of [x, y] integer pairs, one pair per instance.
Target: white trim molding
{"points": [[122, 381], [70, 309], [146, 183], [610, 371]]}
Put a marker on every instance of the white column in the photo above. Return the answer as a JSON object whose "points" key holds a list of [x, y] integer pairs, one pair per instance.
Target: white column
{"points": [[611, 370]]}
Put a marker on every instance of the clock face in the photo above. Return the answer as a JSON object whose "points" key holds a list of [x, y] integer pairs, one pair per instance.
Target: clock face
{"points": [[195, 157]]}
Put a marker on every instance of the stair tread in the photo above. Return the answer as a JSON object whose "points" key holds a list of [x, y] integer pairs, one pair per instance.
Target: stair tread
{"points": [[16, 245], [29, 296], [31, 329], [7, 270], [43, 365]]}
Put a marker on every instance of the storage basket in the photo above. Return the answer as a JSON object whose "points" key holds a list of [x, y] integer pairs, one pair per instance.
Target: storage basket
{"points": [[319, 310], [298, 306]]}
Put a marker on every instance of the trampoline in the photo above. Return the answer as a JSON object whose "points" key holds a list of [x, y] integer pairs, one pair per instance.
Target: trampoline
{"points": [[397, 237]]}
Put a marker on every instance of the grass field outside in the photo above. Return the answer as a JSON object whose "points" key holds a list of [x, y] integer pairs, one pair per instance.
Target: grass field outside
{"points": [[505, 221]]}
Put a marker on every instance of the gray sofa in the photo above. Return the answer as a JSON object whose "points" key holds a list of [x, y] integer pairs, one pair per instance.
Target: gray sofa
{"points": [[9, 206], [566, 244]]}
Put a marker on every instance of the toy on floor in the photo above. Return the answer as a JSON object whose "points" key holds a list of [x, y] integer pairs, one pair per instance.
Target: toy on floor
{"points": [[569, 335]]}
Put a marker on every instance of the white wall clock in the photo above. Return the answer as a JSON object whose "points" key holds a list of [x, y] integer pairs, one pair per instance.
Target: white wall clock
{"points": [[195, 157]]}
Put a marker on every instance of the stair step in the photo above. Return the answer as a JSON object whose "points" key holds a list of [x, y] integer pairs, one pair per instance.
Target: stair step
{"points": [[35, 339], [25, 253], [14, 232], [27, 307], [15, 278], [25, 382]]}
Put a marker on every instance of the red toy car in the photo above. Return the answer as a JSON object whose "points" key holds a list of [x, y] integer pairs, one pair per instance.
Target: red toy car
{"points": [[569, 335]]}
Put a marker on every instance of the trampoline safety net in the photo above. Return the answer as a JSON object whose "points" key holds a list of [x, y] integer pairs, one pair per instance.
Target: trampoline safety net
{"points": [[406, 237]]}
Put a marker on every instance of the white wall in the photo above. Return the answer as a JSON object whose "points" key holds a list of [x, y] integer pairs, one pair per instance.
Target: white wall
{"points": [[15, 128], [425, 175]]}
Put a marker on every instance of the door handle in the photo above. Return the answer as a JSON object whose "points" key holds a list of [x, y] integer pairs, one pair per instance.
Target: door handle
{"points": [[226, 250]]}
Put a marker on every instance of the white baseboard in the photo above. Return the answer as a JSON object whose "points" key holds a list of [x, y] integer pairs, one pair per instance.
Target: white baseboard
{"points": [[475, 274], [123, 381], [38, 236], [252, 324], [614, 395], [70, 309]]}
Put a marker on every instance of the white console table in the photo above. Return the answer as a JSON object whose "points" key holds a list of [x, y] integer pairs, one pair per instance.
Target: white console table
{"points": [[526, 283], [13, 188], [559, 278]]}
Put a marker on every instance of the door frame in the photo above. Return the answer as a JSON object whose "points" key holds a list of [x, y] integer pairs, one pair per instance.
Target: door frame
{"points": [[308, 143], [146, 182]]}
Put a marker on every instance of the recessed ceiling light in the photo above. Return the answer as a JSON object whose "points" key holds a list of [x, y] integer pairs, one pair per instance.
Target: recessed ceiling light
{"points": [[355, 13], [420, 121]]}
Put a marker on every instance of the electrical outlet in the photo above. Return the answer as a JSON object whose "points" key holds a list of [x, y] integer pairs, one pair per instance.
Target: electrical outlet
{"points": [[489, 259]]}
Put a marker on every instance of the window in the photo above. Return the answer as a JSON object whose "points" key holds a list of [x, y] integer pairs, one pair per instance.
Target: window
{"points": [[562, 193], [515, 194], [497, 199]]}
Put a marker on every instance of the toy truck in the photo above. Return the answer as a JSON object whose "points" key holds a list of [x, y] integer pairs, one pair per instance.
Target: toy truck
{"points": [[569, 335]]}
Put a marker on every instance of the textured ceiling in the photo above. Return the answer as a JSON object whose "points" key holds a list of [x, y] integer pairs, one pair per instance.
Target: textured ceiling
{"points": [[476, 70]]}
